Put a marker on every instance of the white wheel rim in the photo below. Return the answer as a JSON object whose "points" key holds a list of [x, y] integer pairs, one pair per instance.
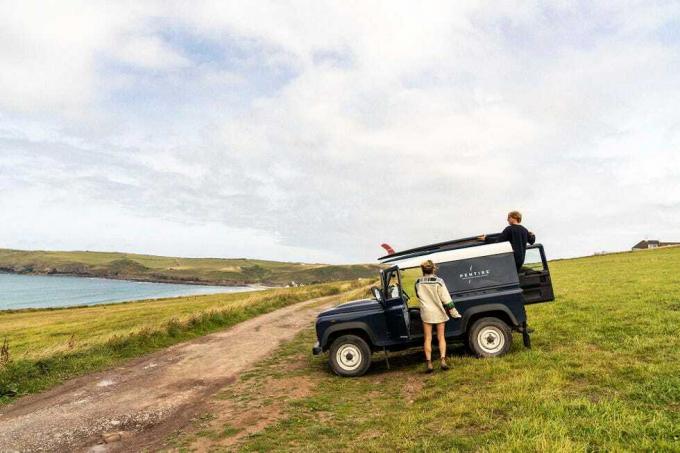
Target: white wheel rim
{"points": [[348, 357], [491, 340]]}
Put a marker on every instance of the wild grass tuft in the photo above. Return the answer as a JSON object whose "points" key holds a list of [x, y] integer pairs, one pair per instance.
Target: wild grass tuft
{"points": [[4, 353]]}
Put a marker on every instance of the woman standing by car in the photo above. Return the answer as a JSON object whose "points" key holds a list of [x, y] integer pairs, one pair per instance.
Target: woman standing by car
{"points": [[434, 299]]}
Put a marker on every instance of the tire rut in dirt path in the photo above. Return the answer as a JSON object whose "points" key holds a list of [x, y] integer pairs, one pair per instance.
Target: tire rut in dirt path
{"points": [[141, 402]]}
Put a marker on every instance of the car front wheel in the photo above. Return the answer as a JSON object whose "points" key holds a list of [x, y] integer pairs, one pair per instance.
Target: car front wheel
{"points": [[489, 337], [349, 356]]}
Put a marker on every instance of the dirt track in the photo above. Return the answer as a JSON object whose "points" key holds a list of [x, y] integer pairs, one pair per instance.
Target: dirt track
{"points": [[139, 404]]}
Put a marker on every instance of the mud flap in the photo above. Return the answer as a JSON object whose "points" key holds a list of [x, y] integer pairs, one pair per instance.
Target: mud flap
{"points": [[525, 335]]}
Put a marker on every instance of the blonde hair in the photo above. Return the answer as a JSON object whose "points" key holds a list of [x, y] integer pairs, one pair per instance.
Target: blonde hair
{"points": [[516, 215], [428, 267]]}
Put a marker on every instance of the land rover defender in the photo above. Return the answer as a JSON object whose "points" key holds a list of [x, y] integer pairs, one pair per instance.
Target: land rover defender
{"points": [[488, 291]]}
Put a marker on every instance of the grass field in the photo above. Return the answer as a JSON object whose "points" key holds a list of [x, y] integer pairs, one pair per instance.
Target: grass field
{"points": [[603, 375], [45, 347], [170, 269]]}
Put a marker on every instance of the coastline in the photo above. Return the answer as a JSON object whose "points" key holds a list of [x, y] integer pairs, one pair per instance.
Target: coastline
{"points": [[230, 284], [9, 311], [106, 295]]}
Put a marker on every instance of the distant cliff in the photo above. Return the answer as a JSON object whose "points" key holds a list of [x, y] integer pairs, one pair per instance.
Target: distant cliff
{"points": [[215, 271]]}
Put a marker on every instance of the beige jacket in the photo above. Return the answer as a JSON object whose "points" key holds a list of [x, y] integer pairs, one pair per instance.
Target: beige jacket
{"points": [[432, 294]]}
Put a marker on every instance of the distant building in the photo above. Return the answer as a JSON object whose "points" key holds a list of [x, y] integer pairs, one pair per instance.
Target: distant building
{"points": [[644, 245]]}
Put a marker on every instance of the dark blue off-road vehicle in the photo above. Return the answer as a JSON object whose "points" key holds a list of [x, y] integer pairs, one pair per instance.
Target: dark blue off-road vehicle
{"points": [[486, 287]]}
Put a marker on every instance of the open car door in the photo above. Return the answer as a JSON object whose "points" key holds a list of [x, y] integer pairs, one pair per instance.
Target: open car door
{"points": [[534, 277], [396, 308]]}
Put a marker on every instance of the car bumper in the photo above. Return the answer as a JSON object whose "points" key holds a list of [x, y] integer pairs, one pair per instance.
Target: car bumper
{"points": [[316, 350]]}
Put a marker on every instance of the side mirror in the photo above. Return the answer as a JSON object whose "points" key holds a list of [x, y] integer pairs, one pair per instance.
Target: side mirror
{"points": [[377, 294]]}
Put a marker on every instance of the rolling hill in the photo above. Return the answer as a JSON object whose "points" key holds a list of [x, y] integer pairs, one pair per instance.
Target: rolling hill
{"points": [[216, 271]]}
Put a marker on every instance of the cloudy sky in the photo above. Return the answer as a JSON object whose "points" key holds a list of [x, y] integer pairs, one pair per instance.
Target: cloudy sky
{"points": [[314, 131]]}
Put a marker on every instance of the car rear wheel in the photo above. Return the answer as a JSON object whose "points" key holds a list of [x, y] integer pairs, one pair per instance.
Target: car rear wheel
{"points": [[489, 337], [350, 356]]}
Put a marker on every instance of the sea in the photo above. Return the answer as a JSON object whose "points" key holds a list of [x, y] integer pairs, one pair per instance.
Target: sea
{"points": [[49, 291]]}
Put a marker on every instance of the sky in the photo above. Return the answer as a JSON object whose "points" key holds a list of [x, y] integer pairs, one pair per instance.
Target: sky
{"points": [[315, 131]]}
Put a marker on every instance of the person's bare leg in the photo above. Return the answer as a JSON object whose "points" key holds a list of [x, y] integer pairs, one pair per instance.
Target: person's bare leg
{"points": [[427, 334], [441, 336]]}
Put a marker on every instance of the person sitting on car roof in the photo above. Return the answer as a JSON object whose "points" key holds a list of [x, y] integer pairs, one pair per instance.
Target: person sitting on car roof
{"points": [[434, 300], [516, 234]]}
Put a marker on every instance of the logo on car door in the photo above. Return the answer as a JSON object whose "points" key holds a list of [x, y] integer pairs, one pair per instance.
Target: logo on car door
{"points": [[472, 274]]}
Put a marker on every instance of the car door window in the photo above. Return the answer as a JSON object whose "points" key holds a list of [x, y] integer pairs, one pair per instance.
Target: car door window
{"points": [[533, 262], [393, 285]]}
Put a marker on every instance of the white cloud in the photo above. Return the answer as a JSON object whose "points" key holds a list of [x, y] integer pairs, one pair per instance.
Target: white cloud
{"points": [[320, 129], [149, 52]]}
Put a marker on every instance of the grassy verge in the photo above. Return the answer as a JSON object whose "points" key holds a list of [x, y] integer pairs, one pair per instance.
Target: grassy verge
{"points": [[44, 347], [603, 375]]}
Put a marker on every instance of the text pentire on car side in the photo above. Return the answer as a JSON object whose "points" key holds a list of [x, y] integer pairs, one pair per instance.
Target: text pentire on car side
{"points": [[489, 337], [349, 355]]}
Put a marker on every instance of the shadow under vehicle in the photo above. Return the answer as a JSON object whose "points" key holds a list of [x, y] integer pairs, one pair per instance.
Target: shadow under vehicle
{"points": [[483, 281]]}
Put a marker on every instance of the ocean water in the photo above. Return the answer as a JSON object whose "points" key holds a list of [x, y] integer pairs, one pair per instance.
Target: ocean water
{"points": [[43, 291]]}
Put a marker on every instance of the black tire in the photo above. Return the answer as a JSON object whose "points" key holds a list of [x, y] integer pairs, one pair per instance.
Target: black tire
{"points": [[349, 356], [489, 337]]}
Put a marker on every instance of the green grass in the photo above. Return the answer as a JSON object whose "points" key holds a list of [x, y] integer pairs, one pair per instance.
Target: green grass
{"points": [[45, 347], [603, 375], [171, 269]]}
